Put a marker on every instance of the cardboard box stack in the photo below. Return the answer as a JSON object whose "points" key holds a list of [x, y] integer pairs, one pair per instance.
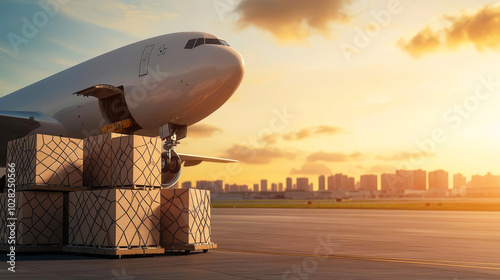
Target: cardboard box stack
{"points": [[44, 167], [185, 216], [100, 192], [120, 209]]}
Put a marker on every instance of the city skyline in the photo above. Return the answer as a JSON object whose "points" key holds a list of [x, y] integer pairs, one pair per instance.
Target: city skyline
{"points": [[433, 180]]}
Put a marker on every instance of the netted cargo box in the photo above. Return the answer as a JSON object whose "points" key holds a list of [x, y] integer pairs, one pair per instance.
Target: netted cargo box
{"points": [[137, 161], [114, 218], [38, 218], [45, 160], [117, 160], [185, 216], [98, 160]]}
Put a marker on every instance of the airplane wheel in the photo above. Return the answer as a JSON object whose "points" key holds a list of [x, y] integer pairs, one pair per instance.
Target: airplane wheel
{"points": [[175, 165], [172, 165], [165, 163]]}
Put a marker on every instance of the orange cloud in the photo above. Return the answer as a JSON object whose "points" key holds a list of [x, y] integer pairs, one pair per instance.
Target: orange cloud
{"points": [[202, 130], [269, 138], [292, 19], [325, 129], [382, 168], [311, 168], [332, 157], [252, 155], [308, 132], [404, 156], [481, 30], [297, 135]]}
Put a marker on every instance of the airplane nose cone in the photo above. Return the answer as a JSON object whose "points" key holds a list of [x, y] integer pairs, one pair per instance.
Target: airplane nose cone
{"points": [[230, 67]]}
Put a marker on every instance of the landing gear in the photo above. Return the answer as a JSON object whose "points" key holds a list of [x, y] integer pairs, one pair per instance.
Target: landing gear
{"points": [[171, 133], [170, 161]]}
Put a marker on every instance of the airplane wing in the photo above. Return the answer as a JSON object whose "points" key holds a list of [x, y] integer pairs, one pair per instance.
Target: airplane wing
{"points": [[192, 160], [17, 124]]}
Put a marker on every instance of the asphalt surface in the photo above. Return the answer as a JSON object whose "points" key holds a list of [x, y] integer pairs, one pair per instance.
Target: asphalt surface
{"points": [[307, 244]]}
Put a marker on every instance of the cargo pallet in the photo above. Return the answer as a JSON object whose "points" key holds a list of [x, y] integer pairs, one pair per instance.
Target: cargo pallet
{"points": [[187, 248], [113, 251]]}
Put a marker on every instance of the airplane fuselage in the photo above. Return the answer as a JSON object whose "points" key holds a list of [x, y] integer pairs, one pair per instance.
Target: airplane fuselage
{"points": [[163, 81]]}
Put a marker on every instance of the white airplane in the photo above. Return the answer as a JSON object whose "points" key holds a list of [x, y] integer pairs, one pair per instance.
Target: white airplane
{"points": [[156, 87]]}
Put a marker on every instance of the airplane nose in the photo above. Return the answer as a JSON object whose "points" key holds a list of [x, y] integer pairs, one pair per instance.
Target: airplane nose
{"points": [[230, 67]]}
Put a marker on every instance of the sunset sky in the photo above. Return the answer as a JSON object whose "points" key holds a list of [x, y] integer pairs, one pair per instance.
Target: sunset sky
{"points": [[345, 86]]}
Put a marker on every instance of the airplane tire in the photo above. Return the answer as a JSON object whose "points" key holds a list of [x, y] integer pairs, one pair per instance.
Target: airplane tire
{"points": [[175, 165], [172, 165], [165, 163]]}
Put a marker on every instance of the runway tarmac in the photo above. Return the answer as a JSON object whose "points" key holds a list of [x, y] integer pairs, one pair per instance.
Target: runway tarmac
{"points": [[308, 244]]}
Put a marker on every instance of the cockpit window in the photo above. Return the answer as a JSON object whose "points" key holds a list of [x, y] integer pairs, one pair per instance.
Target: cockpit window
{"points": [[190, 44], [199, 42], [212, 41], [193, 43]]}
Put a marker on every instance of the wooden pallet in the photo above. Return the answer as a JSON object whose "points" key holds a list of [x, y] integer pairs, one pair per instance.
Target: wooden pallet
{"points": [[113, 251], [187, 248]]}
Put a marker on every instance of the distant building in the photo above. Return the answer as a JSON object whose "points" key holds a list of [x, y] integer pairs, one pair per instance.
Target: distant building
{"points": [[321, 183], [280, 187], [438, 180], [289, 184], [186, 185], [303, 184], [274, 187], [338, 182], [403, 180], [484, 186], [411, 180], [341, 182], [459, 181], [255, 187], [236, 188], [419, 180], [214, 186], [331, 182], [486, 181], [388, 182], [368, 182], [263, 185], [492, 181], [351, 184]]}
